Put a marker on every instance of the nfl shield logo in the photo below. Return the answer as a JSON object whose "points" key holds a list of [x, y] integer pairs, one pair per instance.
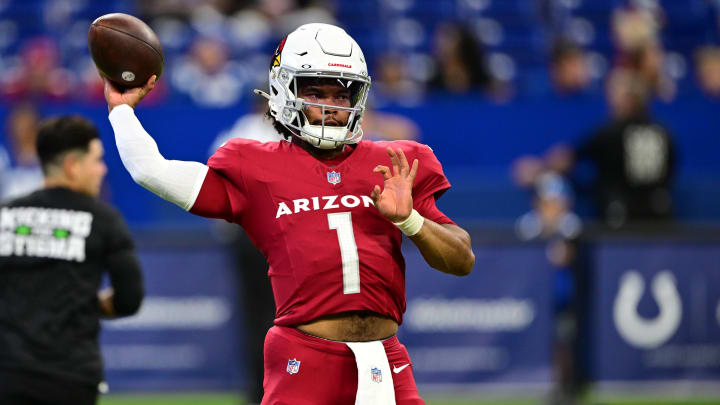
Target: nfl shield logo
{"points": [[293, 366], [333, 177], [376, 375]]}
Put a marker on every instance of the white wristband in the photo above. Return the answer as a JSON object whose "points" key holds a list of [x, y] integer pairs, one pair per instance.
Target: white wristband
{"points": [[412, 224]]}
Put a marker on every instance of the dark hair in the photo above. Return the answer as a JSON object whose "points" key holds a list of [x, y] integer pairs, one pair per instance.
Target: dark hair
{"points": [[284, 131], [59, 135], [473, 54], [564, 49], [280, 128]]}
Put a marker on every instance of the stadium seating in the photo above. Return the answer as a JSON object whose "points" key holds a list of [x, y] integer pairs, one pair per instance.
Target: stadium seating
{"points": [[521, 29]]}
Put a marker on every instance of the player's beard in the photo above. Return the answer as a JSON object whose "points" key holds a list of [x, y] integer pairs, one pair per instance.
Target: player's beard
{"points": [[331, 120]]}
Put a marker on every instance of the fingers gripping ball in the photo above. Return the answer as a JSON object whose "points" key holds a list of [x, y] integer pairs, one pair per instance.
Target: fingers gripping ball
{"points": [[125, 49]]}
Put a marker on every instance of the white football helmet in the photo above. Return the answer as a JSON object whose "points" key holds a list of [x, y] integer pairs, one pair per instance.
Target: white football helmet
{"points": [[319, 51]]}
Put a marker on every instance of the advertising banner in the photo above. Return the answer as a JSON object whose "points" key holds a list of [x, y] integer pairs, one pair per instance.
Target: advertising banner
{"points": [[185, 335], [655, 312], [492, 327]]}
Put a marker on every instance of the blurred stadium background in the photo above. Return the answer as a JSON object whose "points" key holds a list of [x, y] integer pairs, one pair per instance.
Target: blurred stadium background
{"points": [[568, 302]]}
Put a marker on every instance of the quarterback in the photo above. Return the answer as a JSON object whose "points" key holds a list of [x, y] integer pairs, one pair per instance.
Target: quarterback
{"points": [[328, 211]]}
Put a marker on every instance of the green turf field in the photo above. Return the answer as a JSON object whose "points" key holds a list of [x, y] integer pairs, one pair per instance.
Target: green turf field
{"points": [[189, 399], [226, 399], [232, 400]]}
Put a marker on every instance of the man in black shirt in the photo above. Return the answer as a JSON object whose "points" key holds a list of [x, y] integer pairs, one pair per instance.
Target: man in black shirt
{"points": [[634, 156], [55, 245]]}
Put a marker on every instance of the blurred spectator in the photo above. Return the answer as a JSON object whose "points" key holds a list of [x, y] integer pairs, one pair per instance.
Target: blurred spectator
{"points": [[551, 220], [569, 68], [282, 15], [250, 28], [39, 75], [634, 27], [378, 125], [551, 215], [302, 12], [208, 75], [633, 155], [155, 8], [393, 82], [460, 64], [636, 31], [526, 170], [708, 70], [20, 172], [274, 9]]}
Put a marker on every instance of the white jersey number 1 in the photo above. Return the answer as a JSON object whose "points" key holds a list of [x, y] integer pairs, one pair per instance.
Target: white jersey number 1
{"points": [[342, 223]]}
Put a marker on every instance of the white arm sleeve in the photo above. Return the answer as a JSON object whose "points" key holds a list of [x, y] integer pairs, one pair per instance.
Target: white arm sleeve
{"points": [[176, 181]]}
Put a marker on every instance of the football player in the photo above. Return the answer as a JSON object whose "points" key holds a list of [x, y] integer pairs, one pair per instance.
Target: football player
{"points": [[314, 206]]}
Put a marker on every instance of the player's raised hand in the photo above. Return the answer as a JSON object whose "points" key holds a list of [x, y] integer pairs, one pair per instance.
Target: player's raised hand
{"points": [[131, 97], [394, 199]]}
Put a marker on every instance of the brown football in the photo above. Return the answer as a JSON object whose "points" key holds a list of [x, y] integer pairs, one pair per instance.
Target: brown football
{"points": [[125, 49]]}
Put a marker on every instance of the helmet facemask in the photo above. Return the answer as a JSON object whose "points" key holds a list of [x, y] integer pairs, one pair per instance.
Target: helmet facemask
{"points": [[293, 114]]}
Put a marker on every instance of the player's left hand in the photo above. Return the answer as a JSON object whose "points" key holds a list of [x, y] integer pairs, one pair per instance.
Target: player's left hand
{"points": [[394, 200]]}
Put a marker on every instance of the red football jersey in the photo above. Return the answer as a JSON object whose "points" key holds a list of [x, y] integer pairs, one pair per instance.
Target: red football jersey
{"points": [[329, 249]]}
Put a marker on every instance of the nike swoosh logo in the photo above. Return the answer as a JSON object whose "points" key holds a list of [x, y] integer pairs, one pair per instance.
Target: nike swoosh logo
{"points": [[396, 369]]}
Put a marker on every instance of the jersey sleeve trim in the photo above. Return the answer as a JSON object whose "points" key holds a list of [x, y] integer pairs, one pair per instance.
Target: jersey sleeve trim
{"points": [[206, 203], [197, 186], [428, 209], [437, 191]]}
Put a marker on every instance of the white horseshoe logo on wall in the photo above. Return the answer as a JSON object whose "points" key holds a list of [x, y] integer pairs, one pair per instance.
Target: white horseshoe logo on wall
{"points": [[641, 332]]}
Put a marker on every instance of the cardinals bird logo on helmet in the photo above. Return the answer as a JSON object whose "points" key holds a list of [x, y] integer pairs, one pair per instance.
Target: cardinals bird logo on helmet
{"points": [[278, 51]]}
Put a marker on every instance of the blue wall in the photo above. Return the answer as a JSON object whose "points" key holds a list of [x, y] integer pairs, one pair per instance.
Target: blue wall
{"points": [[476, 140]]}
